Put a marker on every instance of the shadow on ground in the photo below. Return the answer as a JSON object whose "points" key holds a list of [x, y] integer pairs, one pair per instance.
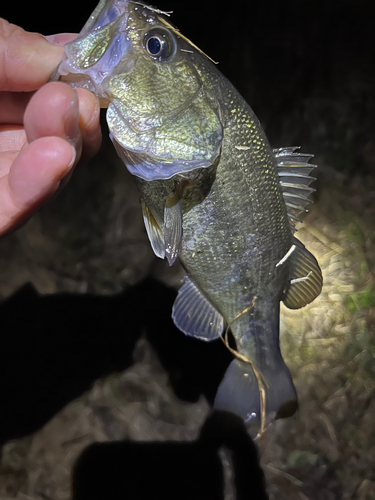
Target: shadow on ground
{"points": [[55, 347]]}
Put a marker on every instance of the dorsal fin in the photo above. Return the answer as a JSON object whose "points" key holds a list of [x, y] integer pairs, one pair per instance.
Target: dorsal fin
{"points": [[294, 174], [306, 279], [194, 315]]}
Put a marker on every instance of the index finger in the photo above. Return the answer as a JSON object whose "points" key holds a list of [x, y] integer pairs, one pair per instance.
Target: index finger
{"points": [[26, 59]]}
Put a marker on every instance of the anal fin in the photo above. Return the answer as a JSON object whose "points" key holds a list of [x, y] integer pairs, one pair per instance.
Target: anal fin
{"points": [[306, 278], [194, 315]]}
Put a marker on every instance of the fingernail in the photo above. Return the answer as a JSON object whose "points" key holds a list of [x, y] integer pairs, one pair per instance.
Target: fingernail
{"points": [[60, 39], [71, 120], [95, 115], [73, 159], [69, 167], [66, 175]]}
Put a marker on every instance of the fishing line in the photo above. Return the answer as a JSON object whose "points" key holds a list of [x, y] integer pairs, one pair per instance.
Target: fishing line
{"points": [[178, 33]]}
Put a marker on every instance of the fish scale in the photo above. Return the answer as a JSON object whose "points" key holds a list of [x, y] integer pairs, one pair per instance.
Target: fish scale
{"points": [[252, 192], [213, 192]]}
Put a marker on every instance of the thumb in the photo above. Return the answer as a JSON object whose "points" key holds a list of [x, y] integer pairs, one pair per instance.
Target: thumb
{"points": [[26, 59]]}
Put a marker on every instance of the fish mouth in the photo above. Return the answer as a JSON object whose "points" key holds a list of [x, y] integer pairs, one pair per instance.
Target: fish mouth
{"points": [[100, 47]]}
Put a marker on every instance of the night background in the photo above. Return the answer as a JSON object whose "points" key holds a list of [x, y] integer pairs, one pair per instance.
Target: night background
{"points": [[88, 352]]}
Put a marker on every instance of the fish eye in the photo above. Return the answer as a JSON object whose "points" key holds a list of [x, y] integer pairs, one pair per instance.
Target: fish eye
{"points": [[156, 46], [159, 44]]}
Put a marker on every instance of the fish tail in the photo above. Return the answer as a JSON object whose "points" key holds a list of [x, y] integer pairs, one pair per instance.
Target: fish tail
{"points": [[239, 391]]}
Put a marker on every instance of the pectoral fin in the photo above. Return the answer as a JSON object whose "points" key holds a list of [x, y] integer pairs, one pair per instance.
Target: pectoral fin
{"points": [[306, 279], [154, 231], [172, 227], [165, 241], [194, 315]]}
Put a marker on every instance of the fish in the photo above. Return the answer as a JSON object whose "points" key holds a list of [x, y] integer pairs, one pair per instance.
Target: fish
{"points": [[213, 192]]}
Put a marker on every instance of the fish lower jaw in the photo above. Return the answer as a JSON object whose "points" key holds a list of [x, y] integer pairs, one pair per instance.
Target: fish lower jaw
{"points": [[84, 79], [78, 80]]}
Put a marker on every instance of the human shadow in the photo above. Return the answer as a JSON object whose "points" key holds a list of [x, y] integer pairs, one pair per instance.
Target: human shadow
{"points": [[53, 347], [172, 470]]}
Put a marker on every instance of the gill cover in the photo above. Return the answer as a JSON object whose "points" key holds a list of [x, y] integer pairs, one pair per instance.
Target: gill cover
{"points": [[161, 118]]}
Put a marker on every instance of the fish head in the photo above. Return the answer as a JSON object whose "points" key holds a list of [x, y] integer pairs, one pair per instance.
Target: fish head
{"points": [[162, 116]]}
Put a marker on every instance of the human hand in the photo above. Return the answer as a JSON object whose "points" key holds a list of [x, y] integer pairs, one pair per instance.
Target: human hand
{"points": [[43, 134]]}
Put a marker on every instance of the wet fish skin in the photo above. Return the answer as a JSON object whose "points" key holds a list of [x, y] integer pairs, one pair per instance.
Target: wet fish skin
{"points": [[213, 191]]}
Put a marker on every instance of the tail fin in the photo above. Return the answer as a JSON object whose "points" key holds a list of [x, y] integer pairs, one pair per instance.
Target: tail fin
{"points": [[239, 392]]}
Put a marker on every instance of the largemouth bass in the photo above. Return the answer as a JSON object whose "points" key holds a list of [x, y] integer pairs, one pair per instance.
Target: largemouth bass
{"points": [[213, 192]]}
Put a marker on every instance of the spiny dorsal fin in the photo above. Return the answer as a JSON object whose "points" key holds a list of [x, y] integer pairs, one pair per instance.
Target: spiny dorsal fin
{"points": [[294, 173], [306, 279], [194, 315]]}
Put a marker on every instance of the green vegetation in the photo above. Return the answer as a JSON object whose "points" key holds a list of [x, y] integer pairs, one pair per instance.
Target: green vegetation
{"points": [[363, 299]]}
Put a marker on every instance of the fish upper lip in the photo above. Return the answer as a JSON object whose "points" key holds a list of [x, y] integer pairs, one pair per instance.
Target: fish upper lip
{"points": [[106, 16], [116, 13]]}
